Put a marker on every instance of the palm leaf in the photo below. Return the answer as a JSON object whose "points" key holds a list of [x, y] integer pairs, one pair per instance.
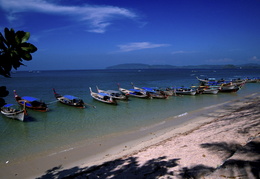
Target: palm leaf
{"points": [[22, 36], [26, 56], [28, 47], [13, 50], [10, 37], [2, 42]]}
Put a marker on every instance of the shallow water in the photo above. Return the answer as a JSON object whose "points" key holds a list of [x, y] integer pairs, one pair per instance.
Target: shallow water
{"points": [[64, 125]]}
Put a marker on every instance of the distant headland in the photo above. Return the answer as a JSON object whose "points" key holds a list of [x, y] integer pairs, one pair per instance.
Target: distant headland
{"points": [[146, 66]]}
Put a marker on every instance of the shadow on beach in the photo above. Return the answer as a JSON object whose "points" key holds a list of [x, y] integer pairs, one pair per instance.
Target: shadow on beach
{"points": [[120, 168], [238, 161], [129, 168]]}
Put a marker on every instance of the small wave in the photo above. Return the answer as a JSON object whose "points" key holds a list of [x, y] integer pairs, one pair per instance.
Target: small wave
{"points": [[66, 150], [183, 114]]}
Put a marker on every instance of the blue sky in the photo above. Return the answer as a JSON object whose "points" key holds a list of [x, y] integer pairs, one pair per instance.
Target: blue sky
{"points": [[94, 34]]}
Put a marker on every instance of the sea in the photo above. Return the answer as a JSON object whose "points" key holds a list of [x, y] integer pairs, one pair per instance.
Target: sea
{"points": [[63, 126]]}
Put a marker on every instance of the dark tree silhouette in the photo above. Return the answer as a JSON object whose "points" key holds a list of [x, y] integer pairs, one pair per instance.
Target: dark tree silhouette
{"points": [[13, 50]]}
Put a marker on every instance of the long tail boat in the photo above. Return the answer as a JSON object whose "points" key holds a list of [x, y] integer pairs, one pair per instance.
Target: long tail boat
{"points": [[69, 100], [31, 102]]}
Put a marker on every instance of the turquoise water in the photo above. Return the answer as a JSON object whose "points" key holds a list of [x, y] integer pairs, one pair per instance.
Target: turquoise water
{"points": [[64, 125]]}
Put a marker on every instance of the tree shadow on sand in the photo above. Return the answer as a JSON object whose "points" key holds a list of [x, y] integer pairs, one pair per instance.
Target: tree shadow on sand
{"points": [[222, 149], [155, 168], [58, 172], [120, 168], [241, 161], [198, 171], [238, 161]]}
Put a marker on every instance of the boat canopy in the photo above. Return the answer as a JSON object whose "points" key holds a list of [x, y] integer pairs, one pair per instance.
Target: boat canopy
{"points": [[103, 94], [8, 105], [70, 97], [135, 90], [148, 89], [29, 98]]}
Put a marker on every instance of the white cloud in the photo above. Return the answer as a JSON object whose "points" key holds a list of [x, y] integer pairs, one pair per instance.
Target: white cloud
{"points": [[139, 46], [182, 52], [255, 59], [99, 17]]}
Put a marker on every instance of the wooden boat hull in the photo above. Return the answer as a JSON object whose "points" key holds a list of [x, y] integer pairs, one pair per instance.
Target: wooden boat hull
{"points": [[28, 104], [207, 90], [169, 92], [158, 96], [229, 89], [186, 93], [17, 115], [31, 103], [210, 91], [13, 113], [253, 80]]}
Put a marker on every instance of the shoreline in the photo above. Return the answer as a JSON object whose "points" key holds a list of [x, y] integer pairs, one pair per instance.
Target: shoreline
{"points": [[74, 159]]}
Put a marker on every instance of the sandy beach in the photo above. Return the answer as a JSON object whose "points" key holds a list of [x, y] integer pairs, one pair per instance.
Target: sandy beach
{"points": [[223, 143]]}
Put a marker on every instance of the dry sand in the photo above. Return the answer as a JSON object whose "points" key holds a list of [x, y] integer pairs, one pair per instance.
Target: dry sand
{"points": [[225, 147], [222, 144]]}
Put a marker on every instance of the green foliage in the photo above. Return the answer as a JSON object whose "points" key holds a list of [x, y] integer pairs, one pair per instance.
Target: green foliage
{"points": [[14, 49]]}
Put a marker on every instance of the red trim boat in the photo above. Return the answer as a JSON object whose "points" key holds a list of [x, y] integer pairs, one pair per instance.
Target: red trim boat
{"points": [[31, 102]]}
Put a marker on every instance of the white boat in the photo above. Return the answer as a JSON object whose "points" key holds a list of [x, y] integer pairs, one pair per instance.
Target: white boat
{"points": [[13, 113], [209, 80], [170, 91], [185, 91], [229, 87], [103, 97], [134, 93], [114, 94], [210, 91], [207, 89]]}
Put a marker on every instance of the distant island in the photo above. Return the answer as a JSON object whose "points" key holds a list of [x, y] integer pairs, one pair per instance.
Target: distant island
{"points": [[146, 66]]}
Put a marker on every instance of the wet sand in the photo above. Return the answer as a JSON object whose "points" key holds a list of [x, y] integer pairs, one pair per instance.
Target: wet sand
{"points": [[209, 143]]}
